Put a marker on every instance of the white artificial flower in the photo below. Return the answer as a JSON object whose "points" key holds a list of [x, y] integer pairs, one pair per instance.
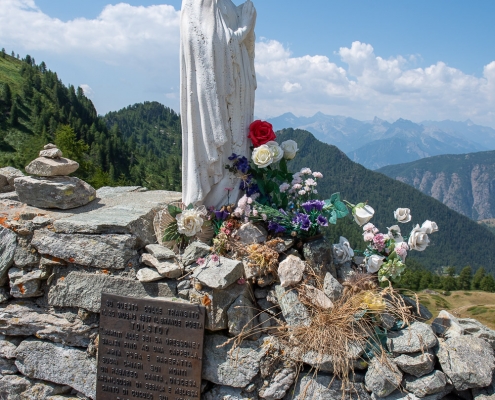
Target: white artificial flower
{"points": [[429, 227], [262, 156], [373, 263], [290, 149], [362, 214], [342, 251], [394, 233], [402, 215], [190, 222], [277, 151], [418, 239]]}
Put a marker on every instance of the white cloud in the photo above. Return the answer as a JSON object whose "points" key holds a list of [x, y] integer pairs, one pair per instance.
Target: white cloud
{"points": [[370, 85], [130, 54], [88, 92]]}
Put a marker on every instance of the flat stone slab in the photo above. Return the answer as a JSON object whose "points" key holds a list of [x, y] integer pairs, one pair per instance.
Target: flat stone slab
{"points": [[236, 369], [63, 192], [435, 382], [24, 318], [219, 274], [415, 338], [79, 289], [418, 364], [56, 363], [98, 251], [325, 387], [7, 176], [467, 361], [294, 312], [43, 166], [122, 219]]}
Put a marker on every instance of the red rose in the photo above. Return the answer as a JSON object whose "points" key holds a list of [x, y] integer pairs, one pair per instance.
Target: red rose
{"points": [[261, 132]]}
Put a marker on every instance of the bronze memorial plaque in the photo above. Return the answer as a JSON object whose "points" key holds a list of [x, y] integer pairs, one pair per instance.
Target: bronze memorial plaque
{"points": [[149, 349]]}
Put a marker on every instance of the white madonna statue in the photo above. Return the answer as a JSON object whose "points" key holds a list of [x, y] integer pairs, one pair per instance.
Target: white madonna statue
{"points": [[217, 96]]}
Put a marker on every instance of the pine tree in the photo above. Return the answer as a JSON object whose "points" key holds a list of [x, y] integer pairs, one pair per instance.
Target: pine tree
{"points": [[477, 278], [487, 284], [464, 279]]}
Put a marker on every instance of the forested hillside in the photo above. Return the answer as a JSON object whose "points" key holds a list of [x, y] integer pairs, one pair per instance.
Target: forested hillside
{"points": [[464, 182], [37, 108], [460, 241]]}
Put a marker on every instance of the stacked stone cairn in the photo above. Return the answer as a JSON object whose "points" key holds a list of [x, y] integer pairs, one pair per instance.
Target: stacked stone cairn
{"points": [[51, 187], [54, 266]]}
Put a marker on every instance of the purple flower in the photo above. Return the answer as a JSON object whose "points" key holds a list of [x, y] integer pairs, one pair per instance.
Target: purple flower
{"points": [[214, 258], [321, 220], [303, 221], [221, 215], [313, 204], [275, 228], [233, 157]]}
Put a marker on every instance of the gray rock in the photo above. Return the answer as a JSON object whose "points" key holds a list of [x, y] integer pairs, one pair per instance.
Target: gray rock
{"points": [[415, 338], [121, 219], [8, 244], [106, 192], [432, 383], [260, 293], [486, 393], [332, 288], [50, 167], [63, 192], [25, 255], [7, 176], [219, 274], [382, 378], [345, 271], [160, 252], [422, 313], [51, 153], [294, 312], [387, 320], [477, 329], [228, 393], [241, 316], [467, 361], [417, 364], [194, 251], [446, 325], [325, 387], [148, 275], [25, 284], [8, 346], [249, 233], [98, 251], [279, 384], [55, 363], [316, 297], [84, 290], [324, 362], [11, 386], [4, 295], [49, 146], [236, 369], [7, 367], [167, 268], [221, 300], [290, 271], [41, 391], [318, 254], [23, 318]]}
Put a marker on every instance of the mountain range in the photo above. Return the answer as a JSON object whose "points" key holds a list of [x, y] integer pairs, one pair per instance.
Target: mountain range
{"points": [[465, 182], [378, 143]]}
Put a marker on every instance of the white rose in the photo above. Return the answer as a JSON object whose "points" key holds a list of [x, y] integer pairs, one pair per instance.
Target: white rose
{"points": [[429, 227], [418, 239], [342, 252], [373, 263], [394, 233], [262, 156], [277, 151], [362, 214], [290, 149], [402, 215], [190, 222]]}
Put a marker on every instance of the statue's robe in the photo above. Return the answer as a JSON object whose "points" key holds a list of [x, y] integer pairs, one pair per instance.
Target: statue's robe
{"points": [[217, 99]]}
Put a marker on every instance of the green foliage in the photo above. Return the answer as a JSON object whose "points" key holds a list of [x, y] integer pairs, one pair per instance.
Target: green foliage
{"points": [[487, 284], [465, 277], [477, 278]]}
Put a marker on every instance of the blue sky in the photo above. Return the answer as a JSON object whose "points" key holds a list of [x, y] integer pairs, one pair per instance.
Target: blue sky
{"points": [[412, 59]]}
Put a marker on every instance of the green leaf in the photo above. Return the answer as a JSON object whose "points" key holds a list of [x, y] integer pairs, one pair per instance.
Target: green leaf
{"points": [[341, 209], [333, 217], [173, 210]]}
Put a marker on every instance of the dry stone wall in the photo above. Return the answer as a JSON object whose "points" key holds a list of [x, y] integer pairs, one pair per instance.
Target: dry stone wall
{"points": [[54, 265]]}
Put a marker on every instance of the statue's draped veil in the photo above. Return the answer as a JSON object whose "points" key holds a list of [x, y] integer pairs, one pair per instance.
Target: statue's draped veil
{"points": [[217, 98]]}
